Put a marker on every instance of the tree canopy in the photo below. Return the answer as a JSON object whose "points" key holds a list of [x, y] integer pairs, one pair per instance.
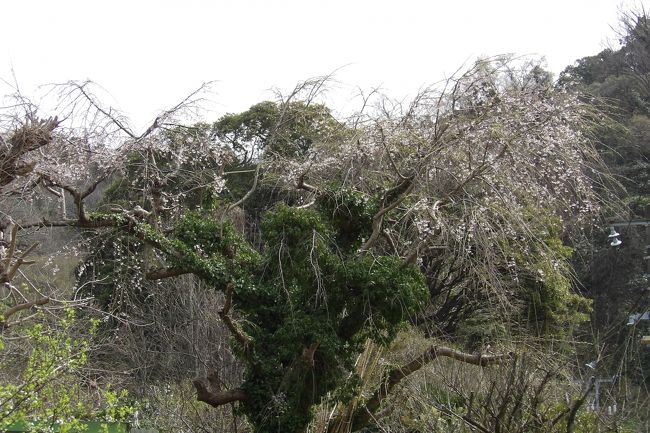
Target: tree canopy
{"points": [[452, 216]]}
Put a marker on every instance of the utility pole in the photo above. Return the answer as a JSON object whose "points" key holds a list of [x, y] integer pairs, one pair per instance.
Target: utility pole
{"points": [[597, 383]]}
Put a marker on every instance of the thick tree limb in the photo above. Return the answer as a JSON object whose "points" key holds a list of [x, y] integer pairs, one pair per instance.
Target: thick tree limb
{"points": [[224, 314], [218, 398], [20, 307], [9, 263], [128, 223], [301, 184], [162, 273], [364, 415], [11, 272], [308, 354], [208, 390], [78, 196]]}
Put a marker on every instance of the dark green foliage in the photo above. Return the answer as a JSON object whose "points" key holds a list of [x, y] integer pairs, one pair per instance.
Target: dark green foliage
{"points": [[550, 304], [551, 307], [308, 302], [616, 277], [619, 78], [307, 292], [351, 212], [215, 252], [284, 129], [313, 293], [248, 132]]}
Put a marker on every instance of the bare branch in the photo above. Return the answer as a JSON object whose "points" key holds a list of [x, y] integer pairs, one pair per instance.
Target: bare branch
{"points": [[364, 415], [20, 307], [78, 196], [245, 197], [81, 88], [392, 199]]}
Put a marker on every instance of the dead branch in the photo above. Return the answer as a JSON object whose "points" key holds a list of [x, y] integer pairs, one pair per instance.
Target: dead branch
{"points": [[33, 135]]}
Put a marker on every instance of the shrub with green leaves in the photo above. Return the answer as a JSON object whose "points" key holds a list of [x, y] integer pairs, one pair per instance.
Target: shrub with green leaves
{"points": [[48, 392]]}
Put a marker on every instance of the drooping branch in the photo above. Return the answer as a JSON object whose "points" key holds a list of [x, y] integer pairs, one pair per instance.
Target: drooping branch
{"points": [[391, 200], [483, 166], [394, 377], [413, 255], [246, 196]]}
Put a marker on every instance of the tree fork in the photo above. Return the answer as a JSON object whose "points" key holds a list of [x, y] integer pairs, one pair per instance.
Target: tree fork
{"points": [[208, 390]]}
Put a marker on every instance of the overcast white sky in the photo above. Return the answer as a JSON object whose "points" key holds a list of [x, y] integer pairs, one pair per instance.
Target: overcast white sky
{"points": [[149, 54]]}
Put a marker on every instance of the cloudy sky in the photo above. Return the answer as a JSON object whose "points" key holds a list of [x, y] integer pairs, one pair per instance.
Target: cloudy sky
{"points": [[148, 54]]}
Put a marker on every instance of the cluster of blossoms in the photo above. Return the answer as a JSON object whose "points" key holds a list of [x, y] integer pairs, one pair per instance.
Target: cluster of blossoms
{"points": [[491, 154]]}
